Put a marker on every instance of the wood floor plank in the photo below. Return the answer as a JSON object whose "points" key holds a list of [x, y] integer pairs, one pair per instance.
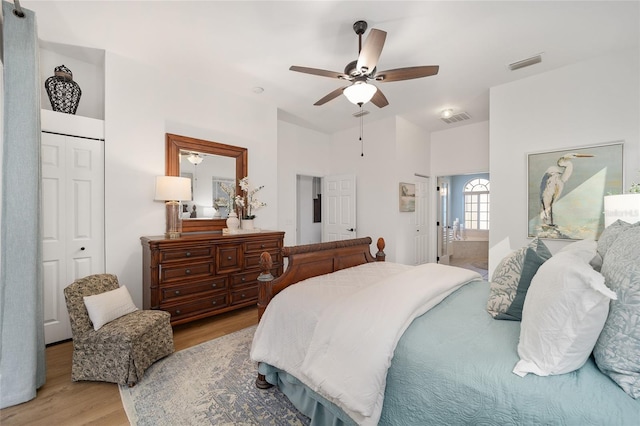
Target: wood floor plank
{"points": [[63, 402]]}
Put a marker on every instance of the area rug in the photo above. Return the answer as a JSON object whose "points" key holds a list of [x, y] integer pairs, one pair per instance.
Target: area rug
{"points": [[209, 384]]}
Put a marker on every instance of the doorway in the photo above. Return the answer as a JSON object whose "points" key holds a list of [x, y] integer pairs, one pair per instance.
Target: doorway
{"points": [[463, 221], [308, 209]]}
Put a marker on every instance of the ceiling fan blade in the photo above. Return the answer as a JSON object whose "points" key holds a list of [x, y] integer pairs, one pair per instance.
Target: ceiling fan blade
{"points": [[370, 53], [330, 96], [407, 73], [317, 71], [379, 99]]}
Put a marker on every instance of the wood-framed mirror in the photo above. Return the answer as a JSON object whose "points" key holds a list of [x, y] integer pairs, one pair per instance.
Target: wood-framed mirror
{"points": [[177, 163]]}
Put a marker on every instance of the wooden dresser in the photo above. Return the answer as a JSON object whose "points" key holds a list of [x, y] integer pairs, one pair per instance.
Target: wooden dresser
{"points": [[205, 274]]}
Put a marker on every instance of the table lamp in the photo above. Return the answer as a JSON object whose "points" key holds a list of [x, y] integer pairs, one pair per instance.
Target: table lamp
{"points": [[172, 190]]}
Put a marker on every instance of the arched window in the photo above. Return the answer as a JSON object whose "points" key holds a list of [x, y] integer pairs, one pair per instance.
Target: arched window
{"points": [[476, 204]]}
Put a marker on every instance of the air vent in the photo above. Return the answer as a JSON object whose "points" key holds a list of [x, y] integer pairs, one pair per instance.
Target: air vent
{"points": [[360, 113], [525, 62], [461, 116]]}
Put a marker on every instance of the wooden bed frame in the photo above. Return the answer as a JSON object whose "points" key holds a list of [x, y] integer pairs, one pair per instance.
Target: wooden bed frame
{"points": [[308, 261]]}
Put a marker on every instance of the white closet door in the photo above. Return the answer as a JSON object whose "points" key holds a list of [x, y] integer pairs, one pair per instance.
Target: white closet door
{"points": [[73, 221], [339, 208]]}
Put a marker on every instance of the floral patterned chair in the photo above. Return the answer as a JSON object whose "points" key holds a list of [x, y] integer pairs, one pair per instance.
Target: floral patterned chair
{"points": [[121, 350]]}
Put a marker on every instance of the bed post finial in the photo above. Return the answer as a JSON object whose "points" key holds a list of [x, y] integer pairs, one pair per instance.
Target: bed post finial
{"points": [[265, 285], [380, 255]]}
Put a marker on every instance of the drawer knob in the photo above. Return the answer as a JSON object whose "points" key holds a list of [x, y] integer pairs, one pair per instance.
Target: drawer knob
{"points": [[177, 292], [213, 303], [178, 312], [243, 279], [242, 295], [188, 254], [187, 271], [228, 257], [262, 246], [214, 285]]}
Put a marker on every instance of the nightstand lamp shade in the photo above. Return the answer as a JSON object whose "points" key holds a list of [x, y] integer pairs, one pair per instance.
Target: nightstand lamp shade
{"points": [[173, 189], [625, 207]]}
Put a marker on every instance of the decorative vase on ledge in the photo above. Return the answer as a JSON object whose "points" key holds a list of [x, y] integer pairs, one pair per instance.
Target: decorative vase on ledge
{"points": [[247, 224], [233, 223], [64, 93]]}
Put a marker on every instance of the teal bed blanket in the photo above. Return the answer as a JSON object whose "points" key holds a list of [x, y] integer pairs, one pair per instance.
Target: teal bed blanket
{"points": [[453, 366]]}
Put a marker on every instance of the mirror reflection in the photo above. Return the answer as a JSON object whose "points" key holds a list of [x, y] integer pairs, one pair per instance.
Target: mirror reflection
{"points": [[207, 173]]}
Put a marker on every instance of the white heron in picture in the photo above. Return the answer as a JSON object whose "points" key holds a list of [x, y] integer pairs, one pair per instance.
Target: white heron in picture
{"points": [[553, 183]]}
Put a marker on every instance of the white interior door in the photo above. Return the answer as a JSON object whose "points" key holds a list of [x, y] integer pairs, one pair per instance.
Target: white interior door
{"points": [[443, 221], [73, 221], [339, 208], [421, 240]]}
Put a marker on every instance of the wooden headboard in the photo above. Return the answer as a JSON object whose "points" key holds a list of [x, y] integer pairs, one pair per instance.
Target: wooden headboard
{"points": [[311, 260]]}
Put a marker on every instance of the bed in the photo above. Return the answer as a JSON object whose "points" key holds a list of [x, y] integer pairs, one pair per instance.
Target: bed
{"points": [[451, 362]]}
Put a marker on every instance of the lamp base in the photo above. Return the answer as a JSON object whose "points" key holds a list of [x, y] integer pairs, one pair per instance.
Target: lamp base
{"points": [[174, 222]]}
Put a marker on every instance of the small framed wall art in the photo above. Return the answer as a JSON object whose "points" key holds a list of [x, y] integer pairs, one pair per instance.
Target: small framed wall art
{"points": [[407, 197]]}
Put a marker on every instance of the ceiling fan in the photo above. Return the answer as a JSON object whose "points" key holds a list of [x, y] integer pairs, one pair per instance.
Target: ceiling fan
{"points": [[363, 71]]}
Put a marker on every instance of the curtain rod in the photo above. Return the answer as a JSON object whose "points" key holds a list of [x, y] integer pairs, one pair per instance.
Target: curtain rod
{"points": [[17, 9]]}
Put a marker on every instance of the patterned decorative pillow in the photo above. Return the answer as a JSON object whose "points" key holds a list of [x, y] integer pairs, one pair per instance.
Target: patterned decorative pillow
{"points": [[610, 234], [511, 280], [617, 352]]}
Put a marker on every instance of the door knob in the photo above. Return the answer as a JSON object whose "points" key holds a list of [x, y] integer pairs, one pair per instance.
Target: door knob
{"points": [[82, 248], [351, 229]]}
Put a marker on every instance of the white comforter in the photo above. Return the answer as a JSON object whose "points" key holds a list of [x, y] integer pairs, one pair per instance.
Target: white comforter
{"points": [[304, 329]]}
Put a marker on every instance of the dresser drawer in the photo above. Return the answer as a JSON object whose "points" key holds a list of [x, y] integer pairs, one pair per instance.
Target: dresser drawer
{"points": [[247, 278], [174, 292], [170, 274], [252, 261], [260, 246], [194, 307], [228, 258], [191, 253], [249, 294]]}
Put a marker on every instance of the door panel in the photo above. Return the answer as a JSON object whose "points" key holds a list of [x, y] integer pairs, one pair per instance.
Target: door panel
{"points": [[73, 221], [340, 208], [421, 240]]}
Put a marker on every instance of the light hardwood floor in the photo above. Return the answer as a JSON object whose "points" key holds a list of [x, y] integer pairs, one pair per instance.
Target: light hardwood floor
{"points": [[63, 402]]}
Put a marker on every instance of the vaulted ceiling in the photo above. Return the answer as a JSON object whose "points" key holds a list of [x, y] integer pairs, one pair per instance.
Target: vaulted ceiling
{"points": [[242, 45]]}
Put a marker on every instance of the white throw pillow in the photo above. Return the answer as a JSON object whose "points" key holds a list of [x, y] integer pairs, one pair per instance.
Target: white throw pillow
{"points": [[107, 306], [563, 314], [585, 249]]}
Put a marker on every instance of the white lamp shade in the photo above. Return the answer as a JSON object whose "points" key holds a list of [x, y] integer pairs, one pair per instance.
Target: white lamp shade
{"points": [[625, 207], [360, 92], [173, 188]]}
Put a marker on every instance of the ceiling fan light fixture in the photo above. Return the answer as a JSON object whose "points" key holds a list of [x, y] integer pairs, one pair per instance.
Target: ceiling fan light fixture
{"points": [[195, 159], [360, 92]]}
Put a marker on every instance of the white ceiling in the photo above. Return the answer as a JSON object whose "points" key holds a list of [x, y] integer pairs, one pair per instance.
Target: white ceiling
{"points": [[240, 45]]}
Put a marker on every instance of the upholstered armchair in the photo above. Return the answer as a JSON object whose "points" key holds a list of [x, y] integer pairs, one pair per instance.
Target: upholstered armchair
{"points": [[121, 350]]}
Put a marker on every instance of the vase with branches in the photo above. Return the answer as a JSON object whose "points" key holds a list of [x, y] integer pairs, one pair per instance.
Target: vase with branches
{"points": [[247, 201]]}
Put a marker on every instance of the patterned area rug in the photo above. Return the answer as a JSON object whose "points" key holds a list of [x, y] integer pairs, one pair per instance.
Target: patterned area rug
{"points": [[208, 384]]}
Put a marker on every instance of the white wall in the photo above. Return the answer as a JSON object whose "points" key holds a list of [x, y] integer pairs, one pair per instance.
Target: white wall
{"points": [[412, 156], [588, 103], [141, 105], [300, 152], [460, 150], [457, 151], [394, 150]]}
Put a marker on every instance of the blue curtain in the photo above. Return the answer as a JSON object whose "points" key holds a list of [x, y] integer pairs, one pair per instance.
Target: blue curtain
{"points": [[22, 356]]}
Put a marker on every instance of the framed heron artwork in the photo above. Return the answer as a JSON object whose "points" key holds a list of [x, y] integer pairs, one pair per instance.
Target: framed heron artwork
{"points": [[566, 190]]}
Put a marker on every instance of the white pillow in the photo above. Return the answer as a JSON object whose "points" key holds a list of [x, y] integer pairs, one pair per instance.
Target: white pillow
{"points": [[563, 314], [107, 306], [585, 249]]}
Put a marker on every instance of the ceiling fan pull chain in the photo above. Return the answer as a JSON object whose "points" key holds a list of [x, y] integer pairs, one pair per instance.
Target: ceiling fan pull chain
{"points": [[361, 131]]}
